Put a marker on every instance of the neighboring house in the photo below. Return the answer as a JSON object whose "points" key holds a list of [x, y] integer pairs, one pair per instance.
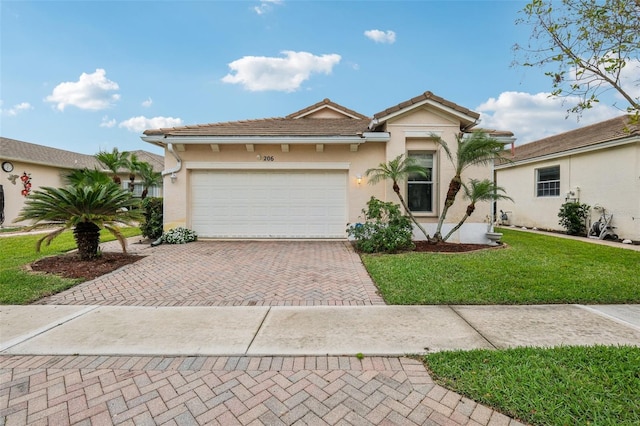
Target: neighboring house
{"points": [[45, 166], [596, 165], [303, 175]]}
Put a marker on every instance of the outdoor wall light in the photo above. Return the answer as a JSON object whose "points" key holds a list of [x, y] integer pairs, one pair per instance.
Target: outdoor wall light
{"points": [[173, 177], [359, 179]]}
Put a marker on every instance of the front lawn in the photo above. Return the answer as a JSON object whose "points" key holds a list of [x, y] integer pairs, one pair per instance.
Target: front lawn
{"points": [[596, 385], [533, 269], [17, 286]]}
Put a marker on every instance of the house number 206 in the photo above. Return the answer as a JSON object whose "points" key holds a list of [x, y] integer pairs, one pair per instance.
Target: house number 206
{"points": [[268, 158]]}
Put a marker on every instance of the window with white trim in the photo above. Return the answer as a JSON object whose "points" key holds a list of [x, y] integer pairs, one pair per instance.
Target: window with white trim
{"points": [[420, 190], [548, 182]]}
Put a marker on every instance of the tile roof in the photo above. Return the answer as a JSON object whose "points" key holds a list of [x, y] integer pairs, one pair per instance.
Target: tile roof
{"points": [[15, 150], [424, 97], [298, 124], [271, 127], [605, 131]]}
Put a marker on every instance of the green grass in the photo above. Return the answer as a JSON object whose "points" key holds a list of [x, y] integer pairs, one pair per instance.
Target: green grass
{"points": [[19, 287], [598, 385], [533, 269]]}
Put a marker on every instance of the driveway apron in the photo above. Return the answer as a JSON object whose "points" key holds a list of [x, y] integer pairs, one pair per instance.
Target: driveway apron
{"points": [[232, 273]]}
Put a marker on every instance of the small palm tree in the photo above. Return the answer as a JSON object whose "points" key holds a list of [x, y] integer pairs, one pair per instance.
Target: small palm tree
{"points": [[149, 178], [477, 149], [87, 177], [398, 170], [84, 208], [476, 191], [133, 165], [113, 161]]}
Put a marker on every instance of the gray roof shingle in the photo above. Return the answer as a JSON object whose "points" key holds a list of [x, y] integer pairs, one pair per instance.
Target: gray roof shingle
{"points": [[15, 150], [605, 131]]}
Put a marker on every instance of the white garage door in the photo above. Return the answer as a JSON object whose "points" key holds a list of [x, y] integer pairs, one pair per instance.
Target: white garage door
{"points": [[269, 204]]}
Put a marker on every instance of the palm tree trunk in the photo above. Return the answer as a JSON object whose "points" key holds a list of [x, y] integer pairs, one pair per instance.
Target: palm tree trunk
{"points": [[396, 189], [454, 188], [87, 236], [470, 209]]}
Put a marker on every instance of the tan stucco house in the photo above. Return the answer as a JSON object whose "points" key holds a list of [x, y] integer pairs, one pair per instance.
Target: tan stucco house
{"points": [[598, 165], [29, 165], [303, 175]]}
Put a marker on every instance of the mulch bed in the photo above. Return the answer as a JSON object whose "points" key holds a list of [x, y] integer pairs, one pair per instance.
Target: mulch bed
{"points": [[425, 246], [70, 265]]}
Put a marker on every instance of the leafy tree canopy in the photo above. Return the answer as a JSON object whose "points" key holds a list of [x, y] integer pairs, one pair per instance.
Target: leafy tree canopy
{"points": [[588, 48]]}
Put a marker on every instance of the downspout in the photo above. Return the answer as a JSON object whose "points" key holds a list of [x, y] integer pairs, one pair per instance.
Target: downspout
{"points": [[177, 168], [172, 174]]}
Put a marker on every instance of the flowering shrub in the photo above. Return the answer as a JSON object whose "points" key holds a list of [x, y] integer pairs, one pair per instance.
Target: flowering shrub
{"points": [[385, 230], [179, 235]]}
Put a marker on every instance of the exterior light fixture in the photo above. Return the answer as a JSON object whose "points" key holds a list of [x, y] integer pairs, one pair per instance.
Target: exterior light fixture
{"points": [[359, 179], [173, 177]]}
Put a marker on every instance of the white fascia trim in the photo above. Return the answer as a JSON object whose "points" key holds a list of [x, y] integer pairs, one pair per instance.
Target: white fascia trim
{"points": [[261, 165], [433, 104], [255, 140], [376, 136], [575, 151]]}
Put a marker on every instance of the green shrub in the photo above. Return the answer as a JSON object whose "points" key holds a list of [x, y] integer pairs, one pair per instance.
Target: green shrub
{"points": [[179, 235], [573, 216], [153, 220], [385, 229]]}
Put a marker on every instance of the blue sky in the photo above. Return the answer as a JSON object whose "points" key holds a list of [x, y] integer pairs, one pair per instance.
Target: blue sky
{"points": [[87, 76]]}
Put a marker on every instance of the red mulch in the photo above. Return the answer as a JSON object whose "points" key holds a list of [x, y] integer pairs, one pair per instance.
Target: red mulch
{"points": [[70, 265], [425, 246]]}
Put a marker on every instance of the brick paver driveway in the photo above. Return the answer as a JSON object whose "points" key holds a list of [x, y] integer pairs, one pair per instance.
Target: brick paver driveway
{"points": [[195, 390], [230, 273]]}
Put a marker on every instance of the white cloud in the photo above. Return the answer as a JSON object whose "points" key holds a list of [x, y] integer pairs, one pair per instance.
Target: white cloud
{"points": [[142, 123], [16, 109], [147, 103], [381, 36], [260, 73], [91, 92], [107, 123], [535, 116], [266, 6]]}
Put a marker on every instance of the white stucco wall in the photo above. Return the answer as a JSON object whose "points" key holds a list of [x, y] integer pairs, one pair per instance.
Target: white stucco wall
{"points": [[606, 177]]}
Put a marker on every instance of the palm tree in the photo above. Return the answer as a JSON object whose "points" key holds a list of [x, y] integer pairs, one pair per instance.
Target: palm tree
{"points": [[398, 170], [476, 191], [476, 149], [133, 165], [87, 177], [113, 161], [84, 208], [149, 177]]}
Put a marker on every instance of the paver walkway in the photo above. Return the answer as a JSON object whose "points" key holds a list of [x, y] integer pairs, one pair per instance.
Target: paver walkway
{"points": [[232, 273], [229, 391]]}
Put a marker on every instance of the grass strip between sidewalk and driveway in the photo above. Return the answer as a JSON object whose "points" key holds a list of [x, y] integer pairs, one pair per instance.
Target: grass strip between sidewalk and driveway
{"points": [[597, 385], [19, 287], [532, 269]]}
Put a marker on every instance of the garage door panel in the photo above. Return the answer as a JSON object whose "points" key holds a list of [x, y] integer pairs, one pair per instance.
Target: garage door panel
{"points": [[269, 204]]}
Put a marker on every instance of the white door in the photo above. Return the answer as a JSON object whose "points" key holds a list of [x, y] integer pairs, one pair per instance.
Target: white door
{"points": [[269, 204]]}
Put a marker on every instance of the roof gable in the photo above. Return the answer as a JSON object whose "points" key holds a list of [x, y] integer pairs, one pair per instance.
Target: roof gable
{"points": [[327, 109], [467, 117], [606, 131]]}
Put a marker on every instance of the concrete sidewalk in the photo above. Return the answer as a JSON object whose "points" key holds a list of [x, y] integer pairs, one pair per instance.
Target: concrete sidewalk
{"points": [[308, 331]]}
